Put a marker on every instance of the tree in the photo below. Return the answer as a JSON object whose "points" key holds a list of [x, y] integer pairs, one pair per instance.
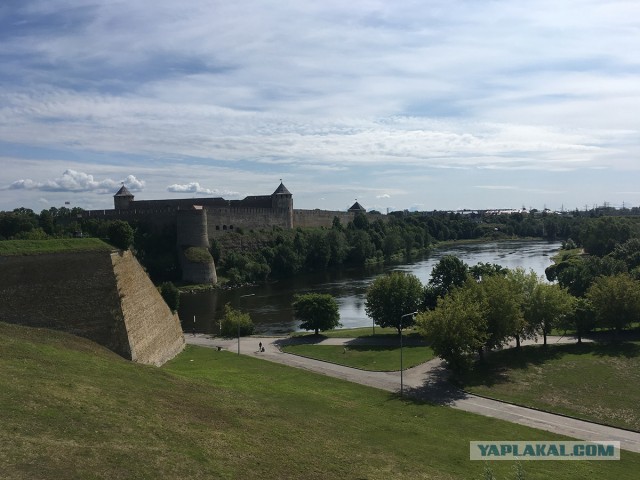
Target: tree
{"points": [[171, 295], [391, 296], [581, 319], [457, 327], [120, 234], [448, 273], [504, 316], [234, 322], [601, 235], [550, 303], [317, 311], [615, 300], [525, 283]]}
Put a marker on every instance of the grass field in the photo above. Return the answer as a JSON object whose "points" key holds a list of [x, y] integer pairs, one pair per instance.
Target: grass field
{"points": [[366, 357], [55, 245], [362, 332], [70, 409], [594, 381]]}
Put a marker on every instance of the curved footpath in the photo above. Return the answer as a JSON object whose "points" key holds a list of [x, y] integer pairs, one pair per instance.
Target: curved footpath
{"points": [[426, 382]]}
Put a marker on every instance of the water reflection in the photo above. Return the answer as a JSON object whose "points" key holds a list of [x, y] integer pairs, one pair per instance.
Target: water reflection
{"points": [[270, 305]]}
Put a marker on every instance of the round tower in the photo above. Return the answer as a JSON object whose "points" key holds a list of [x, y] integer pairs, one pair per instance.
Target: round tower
{"points": [[193, 246]]}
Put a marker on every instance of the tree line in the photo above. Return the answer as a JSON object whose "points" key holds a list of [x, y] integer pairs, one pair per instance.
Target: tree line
{"points": [[465, 311], [277, 253]]}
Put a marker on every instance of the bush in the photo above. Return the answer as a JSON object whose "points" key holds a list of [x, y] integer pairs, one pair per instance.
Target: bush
{"points": [[171, 295], [198, 255], [235, 321]]}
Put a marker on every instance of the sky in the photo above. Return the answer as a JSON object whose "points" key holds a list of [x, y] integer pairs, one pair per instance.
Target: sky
{"points": [[419, 105]]}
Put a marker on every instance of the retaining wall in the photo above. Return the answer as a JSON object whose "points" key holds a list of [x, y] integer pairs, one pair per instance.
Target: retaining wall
{"points": [[105, 297]]}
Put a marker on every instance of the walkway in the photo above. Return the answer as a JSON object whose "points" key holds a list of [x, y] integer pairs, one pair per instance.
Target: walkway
{"points": [[428, 382]]}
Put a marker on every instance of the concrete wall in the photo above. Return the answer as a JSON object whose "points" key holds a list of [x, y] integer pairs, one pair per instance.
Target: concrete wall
{"points": [[105, 297]]}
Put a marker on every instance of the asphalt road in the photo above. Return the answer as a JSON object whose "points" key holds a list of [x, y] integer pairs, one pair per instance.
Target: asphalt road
{"points": [[428, 382]]}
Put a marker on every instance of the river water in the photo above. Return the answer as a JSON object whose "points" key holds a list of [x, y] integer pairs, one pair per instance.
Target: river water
{"points": [[270, 305]]}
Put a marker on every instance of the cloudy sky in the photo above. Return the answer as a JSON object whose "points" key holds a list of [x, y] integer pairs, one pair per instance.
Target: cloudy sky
{"points": [[400, 104]]}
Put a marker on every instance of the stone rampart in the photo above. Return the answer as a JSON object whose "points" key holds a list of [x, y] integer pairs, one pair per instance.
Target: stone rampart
{"points": [[324, 218], [154, 333], [105, 297]]}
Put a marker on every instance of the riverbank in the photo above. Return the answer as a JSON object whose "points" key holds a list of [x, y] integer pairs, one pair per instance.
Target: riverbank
{"points": [[269, 305]]}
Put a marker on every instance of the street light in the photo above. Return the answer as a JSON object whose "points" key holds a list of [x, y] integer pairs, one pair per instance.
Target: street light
{"points": [[401, 370]]}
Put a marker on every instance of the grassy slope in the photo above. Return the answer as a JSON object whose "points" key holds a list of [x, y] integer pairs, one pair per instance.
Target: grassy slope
{"points": [[72, 410], [598, 382], [34, 247], [367, 357]]}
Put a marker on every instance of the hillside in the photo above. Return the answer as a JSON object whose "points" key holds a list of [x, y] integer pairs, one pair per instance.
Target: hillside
{"points": [[70, 409]]}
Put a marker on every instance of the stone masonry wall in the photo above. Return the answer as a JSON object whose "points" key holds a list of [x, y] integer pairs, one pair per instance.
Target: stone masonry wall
{"points": [[81, 293], [154, 333]]}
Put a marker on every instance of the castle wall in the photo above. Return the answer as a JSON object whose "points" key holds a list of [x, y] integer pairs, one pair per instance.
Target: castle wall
{"points": [[319, 218], [324, 218], [221, 220], [84, 294]]}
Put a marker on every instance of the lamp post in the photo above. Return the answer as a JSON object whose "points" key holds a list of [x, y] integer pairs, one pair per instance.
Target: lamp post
{"points": [[401, 369]]}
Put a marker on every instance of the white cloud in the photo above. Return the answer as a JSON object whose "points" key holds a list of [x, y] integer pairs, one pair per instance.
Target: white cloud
{"points": [[194, 187], [384, 195], [327, 92], [74, 181]]}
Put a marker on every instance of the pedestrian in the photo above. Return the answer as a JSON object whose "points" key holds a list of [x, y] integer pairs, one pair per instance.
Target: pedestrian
{"points": [[260, 349]]}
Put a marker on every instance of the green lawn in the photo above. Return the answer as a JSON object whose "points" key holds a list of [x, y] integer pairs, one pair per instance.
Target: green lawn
{"points": [[366, 357], [54, 245], [598, 382], [362, 332], [70, 409]]}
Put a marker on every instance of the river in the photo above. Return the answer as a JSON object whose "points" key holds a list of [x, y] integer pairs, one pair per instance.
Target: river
{"points": [[270, 305]]}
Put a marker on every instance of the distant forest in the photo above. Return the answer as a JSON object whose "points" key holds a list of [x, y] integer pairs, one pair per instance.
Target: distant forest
{"points": [[260, 255]]}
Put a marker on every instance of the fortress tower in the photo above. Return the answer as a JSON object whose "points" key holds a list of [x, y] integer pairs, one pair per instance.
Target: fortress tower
{"points": [[122, 199], [282, 200]]}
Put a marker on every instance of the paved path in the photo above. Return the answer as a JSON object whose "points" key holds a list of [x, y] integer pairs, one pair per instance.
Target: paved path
{"points": [[428, 382]]}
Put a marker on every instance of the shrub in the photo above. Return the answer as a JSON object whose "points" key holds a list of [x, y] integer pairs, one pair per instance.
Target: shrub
{"points": [[235, 322]]}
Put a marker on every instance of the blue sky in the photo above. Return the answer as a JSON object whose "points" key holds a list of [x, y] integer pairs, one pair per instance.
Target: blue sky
{"points": [[402, 105]]}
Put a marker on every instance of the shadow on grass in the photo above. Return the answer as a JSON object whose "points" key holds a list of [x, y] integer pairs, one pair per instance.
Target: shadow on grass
{"points": [[436, 390], [494, 369], [300, 340]]}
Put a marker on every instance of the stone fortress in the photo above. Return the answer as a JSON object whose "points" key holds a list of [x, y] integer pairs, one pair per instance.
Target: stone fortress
{"points": [[199, 220]]}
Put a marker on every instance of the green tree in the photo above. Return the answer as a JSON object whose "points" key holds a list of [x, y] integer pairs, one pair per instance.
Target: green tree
{"points": [[391, 296], [504, 315], [525, 283], [600, 236], [120, 234], [457, 327], [171, 295], [581, 320], [550, 303], [615, 300], [448, 273], [317, 311], [234, 322]]}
